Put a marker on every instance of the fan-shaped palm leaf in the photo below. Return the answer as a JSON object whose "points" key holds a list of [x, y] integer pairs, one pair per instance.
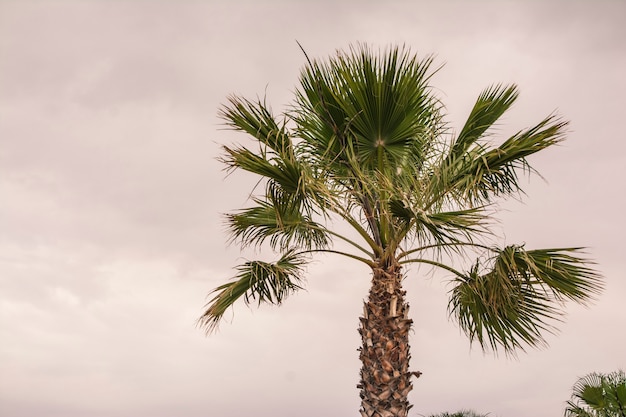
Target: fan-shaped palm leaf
{"points": [[518, 296], [598, 395]]}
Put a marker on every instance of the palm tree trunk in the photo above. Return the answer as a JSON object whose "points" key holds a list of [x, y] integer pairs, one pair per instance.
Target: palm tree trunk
{"points": [[385, 377]]}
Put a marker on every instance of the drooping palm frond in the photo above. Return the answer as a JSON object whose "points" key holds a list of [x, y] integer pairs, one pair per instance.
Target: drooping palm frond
{"points": [[520, 294], [498, 312], [559, 272], [259, 281]]}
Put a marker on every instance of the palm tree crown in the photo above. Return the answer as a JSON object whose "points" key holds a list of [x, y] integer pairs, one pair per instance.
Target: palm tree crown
{"points": [[365, 142]]}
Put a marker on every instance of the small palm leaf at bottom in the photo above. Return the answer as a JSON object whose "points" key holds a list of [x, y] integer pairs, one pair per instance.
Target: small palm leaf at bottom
{"points": [[598, 395], [574, 410], [511, 304], [256, 280]]}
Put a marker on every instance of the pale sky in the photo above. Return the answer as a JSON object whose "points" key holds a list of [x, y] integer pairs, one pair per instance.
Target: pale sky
{"points": [[111, 203]]}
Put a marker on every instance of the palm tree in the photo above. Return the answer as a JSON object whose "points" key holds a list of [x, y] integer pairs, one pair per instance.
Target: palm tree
{"points": [[598, 395], [365, 143]]}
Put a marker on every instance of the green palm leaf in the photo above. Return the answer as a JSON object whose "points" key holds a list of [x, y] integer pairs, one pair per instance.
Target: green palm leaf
{"points": [[288, 180], [483, 172], [256, 119], [440, 227], [382, 106], [283, 224], [598, 395], [514, 301], [259, 281], [490, 106]]}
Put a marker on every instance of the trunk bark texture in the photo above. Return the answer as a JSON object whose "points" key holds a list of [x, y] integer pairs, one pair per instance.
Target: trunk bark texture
{"points": [[385, 377]]}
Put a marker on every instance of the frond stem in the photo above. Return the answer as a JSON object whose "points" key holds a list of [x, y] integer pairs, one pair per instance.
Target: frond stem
{"points": [[439, 245], [366, 261], [434, 263], [351, 242], [344, 214]]}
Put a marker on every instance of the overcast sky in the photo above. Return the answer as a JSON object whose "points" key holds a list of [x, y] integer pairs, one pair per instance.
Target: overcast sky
{"points": [[111, 198]]}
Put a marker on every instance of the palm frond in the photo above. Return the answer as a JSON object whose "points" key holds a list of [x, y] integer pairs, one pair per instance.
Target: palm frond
{"points": [[490, 106], [574, 410], [559, 272], [452, 226], [283, 224], [442, 227], [286, 172], [598, 395], [381, 104], [520, 295], [288, 179], [483, 173], [259, 281], [256, 119]]}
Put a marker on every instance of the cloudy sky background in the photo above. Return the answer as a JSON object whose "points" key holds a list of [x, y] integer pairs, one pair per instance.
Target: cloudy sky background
{"points": [[111, 198]]}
